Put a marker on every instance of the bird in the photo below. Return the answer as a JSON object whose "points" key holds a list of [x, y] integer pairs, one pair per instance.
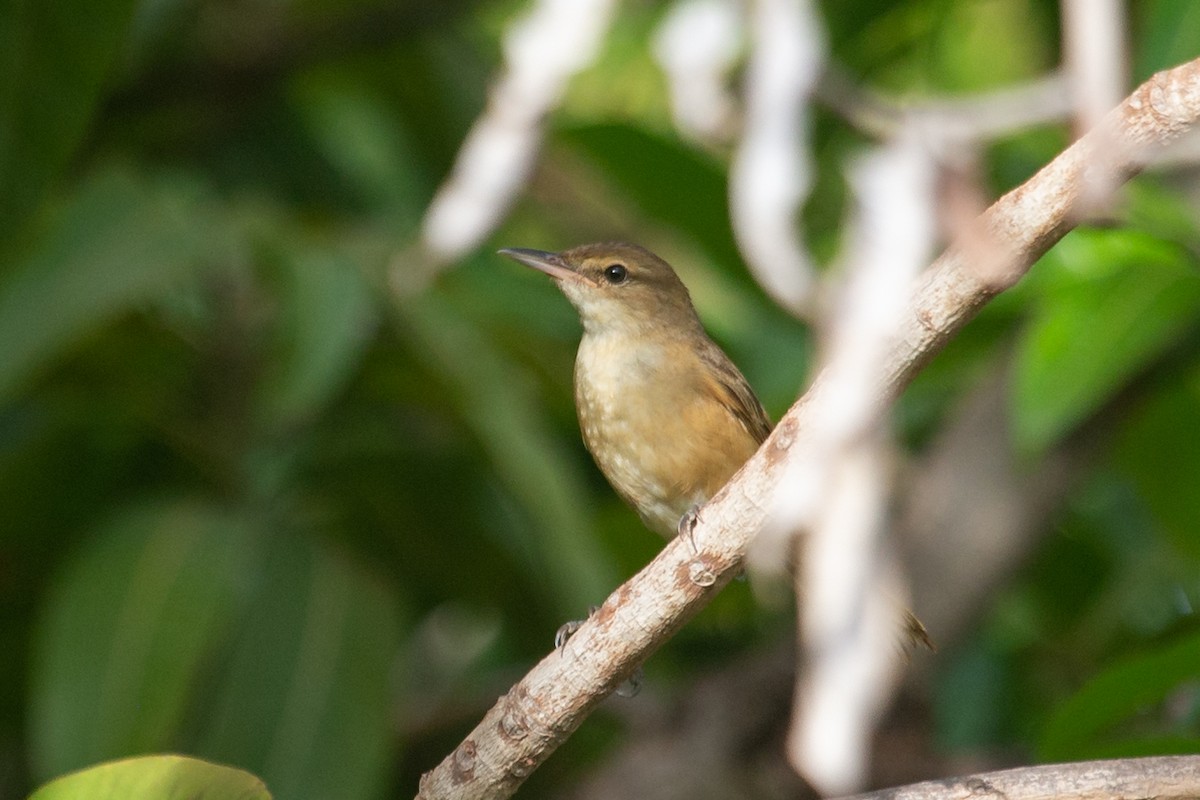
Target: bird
{"points": [[665, 413]]}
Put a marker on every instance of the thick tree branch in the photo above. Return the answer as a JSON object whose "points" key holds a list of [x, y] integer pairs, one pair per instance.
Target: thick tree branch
{"points": [[1163, 778], [538, 714]]}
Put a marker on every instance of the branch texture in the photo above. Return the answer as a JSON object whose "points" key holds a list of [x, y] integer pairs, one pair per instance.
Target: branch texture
{"points": [[1161, 778], [550, 702]]}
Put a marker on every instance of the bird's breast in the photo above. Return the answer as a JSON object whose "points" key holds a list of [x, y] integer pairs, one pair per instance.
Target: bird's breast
{"points": [[663, 442]]}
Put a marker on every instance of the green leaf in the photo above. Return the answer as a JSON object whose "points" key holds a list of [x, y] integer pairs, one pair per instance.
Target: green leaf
{"points": [[124, 632], [1170, 35], [327, 315], [1154, 206], [1077, 728], [496, 400], [963, 31], [1110, 302], [304, 701], [366, 142], [972, 704], [693, 200], [54, 61], [1159, 450], [118, 242], [1143, 746], [155, 778]]}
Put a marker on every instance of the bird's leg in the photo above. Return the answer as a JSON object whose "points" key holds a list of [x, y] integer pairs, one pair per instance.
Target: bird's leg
{"points": [[568, 629], [565, 632], [630, 686], [687, 525], [633, 684]]}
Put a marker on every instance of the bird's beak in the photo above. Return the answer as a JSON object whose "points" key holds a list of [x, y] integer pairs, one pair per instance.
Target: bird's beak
{"points": [[550, 263]]}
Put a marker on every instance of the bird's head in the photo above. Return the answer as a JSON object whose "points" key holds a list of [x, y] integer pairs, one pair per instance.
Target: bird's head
{"points": [[615, 285]]}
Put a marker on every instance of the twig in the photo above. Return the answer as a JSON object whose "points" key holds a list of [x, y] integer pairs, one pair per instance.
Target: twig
{"points": [[697, 45], [1095, 59], [1163, 778], [955, 121], [543, 50], [771, 171], [538, 714], [831, 507]]}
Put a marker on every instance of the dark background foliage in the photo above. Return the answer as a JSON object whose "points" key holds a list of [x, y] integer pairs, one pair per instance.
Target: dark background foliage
{"points": [[257, 506]]}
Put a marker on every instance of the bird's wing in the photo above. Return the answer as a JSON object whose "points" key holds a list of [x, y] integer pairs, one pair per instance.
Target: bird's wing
{"points": [[734, 392]]}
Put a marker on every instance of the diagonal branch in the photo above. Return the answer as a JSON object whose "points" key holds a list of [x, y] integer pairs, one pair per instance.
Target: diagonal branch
{"points": [[550, 702]]}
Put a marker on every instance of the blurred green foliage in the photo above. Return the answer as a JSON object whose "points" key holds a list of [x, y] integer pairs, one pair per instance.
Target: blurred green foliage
{"points": [[1147, 292], [257, 508]]}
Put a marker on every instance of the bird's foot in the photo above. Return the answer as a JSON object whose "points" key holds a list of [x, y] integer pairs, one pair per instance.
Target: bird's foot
{"points": [[627, 688], [631, 685], [569, 629], [687, 526], [565, 632]]}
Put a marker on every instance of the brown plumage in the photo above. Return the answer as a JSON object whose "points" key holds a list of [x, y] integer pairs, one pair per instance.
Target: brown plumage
{"points": [[665, 413]]}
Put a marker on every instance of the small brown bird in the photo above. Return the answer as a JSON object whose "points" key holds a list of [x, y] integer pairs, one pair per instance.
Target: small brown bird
{"points": [[663, 410]]}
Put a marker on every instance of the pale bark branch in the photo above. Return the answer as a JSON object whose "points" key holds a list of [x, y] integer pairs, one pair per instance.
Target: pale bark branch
{"points": [[832, 508], [538, 714], [771, 171], [953, 121], [1161, 778]]}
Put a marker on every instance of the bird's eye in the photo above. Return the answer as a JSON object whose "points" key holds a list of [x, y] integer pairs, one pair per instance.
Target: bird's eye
{"points": [[616, 273]]}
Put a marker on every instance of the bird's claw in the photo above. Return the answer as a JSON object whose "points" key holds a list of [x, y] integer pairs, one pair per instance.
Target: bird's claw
{"points": [[687, 526], [565, 632], [569, 629], [631, 685]]}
